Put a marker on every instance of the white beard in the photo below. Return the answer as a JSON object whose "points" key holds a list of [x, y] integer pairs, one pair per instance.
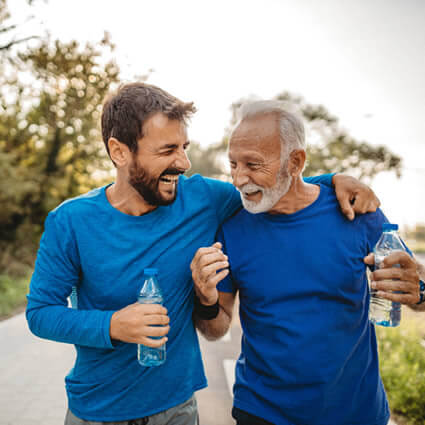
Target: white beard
{"points": [[270, 196]]}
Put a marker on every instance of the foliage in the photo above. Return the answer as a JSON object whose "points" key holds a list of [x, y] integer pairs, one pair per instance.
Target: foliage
{"points": [[402, 366], [8, 29], [330, 148], [12, 293], [209, 160], [416, 232], [50, 143]]}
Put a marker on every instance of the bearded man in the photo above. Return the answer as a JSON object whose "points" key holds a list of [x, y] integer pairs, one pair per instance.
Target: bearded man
{"points": [[308, 351], [97, 245]]}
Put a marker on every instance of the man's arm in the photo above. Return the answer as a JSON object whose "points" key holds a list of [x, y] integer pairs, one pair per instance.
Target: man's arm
{"points": [[353, 196], [404, 279], [57, 270], [209, 266]]}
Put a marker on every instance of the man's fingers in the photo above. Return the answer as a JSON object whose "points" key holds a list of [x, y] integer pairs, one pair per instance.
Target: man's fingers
{"points": [[360, 205], [400, 298], [155, 331], [387, 274], [410, 274], [369, 259], [398, 257], [150, 308], [345, 205], [205, 256], [157, 319], [211, 258], [207, 271], [219, 277], [154, 343], [395, 285]]}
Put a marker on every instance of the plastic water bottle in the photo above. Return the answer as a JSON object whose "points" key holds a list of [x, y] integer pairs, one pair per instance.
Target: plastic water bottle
{"points": [[150, 294], [385, 312]]}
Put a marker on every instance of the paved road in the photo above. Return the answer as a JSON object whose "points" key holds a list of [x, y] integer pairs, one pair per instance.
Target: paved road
{"points": [[32, 375], [32, 370]]}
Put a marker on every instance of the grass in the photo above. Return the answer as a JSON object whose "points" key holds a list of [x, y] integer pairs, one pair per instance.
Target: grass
{"points": [[402, 367], [12, 294]]}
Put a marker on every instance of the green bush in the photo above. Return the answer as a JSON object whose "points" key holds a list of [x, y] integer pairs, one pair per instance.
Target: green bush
{"points": [[12, 293], [402, 366]]}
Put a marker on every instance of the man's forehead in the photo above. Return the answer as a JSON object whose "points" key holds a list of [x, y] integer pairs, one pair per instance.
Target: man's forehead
{"points": [[257, 127], [160, 122]]}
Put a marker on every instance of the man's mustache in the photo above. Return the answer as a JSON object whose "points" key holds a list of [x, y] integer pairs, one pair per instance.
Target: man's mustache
{"points": [[172, 171]]}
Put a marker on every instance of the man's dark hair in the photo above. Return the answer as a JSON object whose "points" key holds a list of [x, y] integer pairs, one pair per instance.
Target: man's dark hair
{"points": [[125, 112]]}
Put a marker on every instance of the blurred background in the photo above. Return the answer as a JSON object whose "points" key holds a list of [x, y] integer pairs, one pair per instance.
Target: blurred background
{"points": [[354, 70]]}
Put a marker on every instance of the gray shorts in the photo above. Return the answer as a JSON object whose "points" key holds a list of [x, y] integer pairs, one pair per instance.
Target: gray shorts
{"points": [[182, 414]]}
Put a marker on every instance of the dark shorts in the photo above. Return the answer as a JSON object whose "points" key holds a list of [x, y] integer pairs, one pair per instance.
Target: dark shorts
{"points": [[182, 414], [244, 418]]}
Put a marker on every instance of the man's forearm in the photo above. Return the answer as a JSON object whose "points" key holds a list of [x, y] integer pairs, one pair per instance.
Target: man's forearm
{"points": [[59, 323]]}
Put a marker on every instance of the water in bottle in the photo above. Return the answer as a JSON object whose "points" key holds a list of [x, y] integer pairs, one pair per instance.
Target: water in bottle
{"points": [[150, 294], [385, 312]]}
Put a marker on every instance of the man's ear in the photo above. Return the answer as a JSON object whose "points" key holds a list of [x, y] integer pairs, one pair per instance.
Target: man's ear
{"points": [[119, 152], [296, 162]]}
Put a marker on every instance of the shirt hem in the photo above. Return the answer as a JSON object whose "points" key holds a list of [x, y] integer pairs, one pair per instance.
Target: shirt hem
{"points": [[135, 415], [251, 410]]}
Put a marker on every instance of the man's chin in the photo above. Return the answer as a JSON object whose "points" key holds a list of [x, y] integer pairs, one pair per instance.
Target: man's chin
{"points": [[253, 207]]}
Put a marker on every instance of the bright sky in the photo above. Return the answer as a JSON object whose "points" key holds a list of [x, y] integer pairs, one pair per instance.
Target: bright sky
{"points": [[363, 60]]}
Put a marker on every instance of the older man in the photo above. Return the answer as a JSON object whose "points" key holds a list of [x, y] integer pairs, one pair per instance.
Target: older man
{"points": [[308, 352]]}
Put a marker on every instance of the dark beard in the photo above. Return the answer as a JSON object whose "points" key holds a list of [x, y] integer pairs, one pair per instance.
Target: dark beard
{"points": [[147, 186]]}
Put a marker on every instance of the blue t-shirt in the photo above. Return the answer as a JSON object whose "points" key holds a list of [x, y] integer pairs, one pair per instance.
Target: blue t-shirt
{"points": [[91, 246], [308, 352]]}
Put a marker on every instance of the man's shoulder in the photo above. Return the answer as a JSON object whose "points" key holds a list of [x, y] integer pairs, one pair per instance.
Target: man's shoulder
{"points": [[79, 204], [239, 218]]}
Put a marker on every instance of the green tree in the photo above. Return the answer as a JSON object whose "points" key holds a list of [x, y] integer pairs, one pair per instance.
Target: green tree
{"points": [[50, 142], [330, 148]]}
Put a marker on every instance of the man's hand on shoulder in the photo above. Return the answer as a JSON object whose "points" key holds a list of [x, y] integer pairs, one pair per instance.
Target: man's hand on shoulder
{"points": [[353, 196]]}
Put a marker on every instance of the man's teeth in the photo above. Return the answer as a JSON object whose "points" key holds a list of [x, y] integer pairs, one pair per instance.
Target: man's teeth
{"points": [[169, 179]]}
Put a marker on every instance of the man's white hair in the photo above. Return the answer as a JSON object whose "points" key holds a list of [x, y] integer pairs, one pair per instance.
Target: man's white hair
{"points": [[292, 135]]}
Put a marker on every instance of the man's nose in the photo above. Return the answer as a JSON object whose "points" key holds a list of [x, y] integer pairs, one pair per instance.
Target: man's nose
{"points": [[182, 161], [239, 177]]}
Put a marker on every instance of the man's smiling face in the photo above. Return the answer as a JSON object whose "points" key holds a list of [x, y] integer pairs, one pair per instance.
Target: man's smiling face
{"points": [[160, 159], [255, 162]]}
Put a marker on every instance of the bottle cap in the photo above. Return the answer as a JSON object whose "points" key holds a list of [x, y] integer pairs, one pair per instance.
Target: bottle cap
{"points": [[389, 226], [150, 271]]}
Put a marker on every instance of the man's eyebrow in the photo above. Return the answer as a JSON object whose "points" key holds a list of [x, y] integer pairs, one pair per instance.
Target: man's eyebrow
{"points": [[173, 145]]}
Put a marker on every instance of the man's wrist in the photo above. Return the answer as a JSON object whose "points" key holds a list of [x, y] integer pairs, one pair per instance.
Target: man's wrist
{"points": [[205, 312]]}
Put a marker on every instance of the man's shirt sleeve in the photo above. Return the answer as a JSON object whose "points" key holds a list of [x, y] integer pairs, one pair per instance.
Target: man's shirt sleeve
{"points": [[57, 271], [225, 197], [325, 179]]}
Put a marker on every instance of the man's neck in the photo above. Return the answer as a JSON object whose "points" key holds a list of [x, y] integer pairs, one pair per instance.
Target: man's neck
{"points": [[126, 199], [300, 195]]}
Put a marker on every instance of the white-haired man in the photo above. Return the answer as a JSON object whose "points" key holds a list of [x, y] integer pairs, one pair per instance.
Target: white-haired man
{"points": [[308, 352]]}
